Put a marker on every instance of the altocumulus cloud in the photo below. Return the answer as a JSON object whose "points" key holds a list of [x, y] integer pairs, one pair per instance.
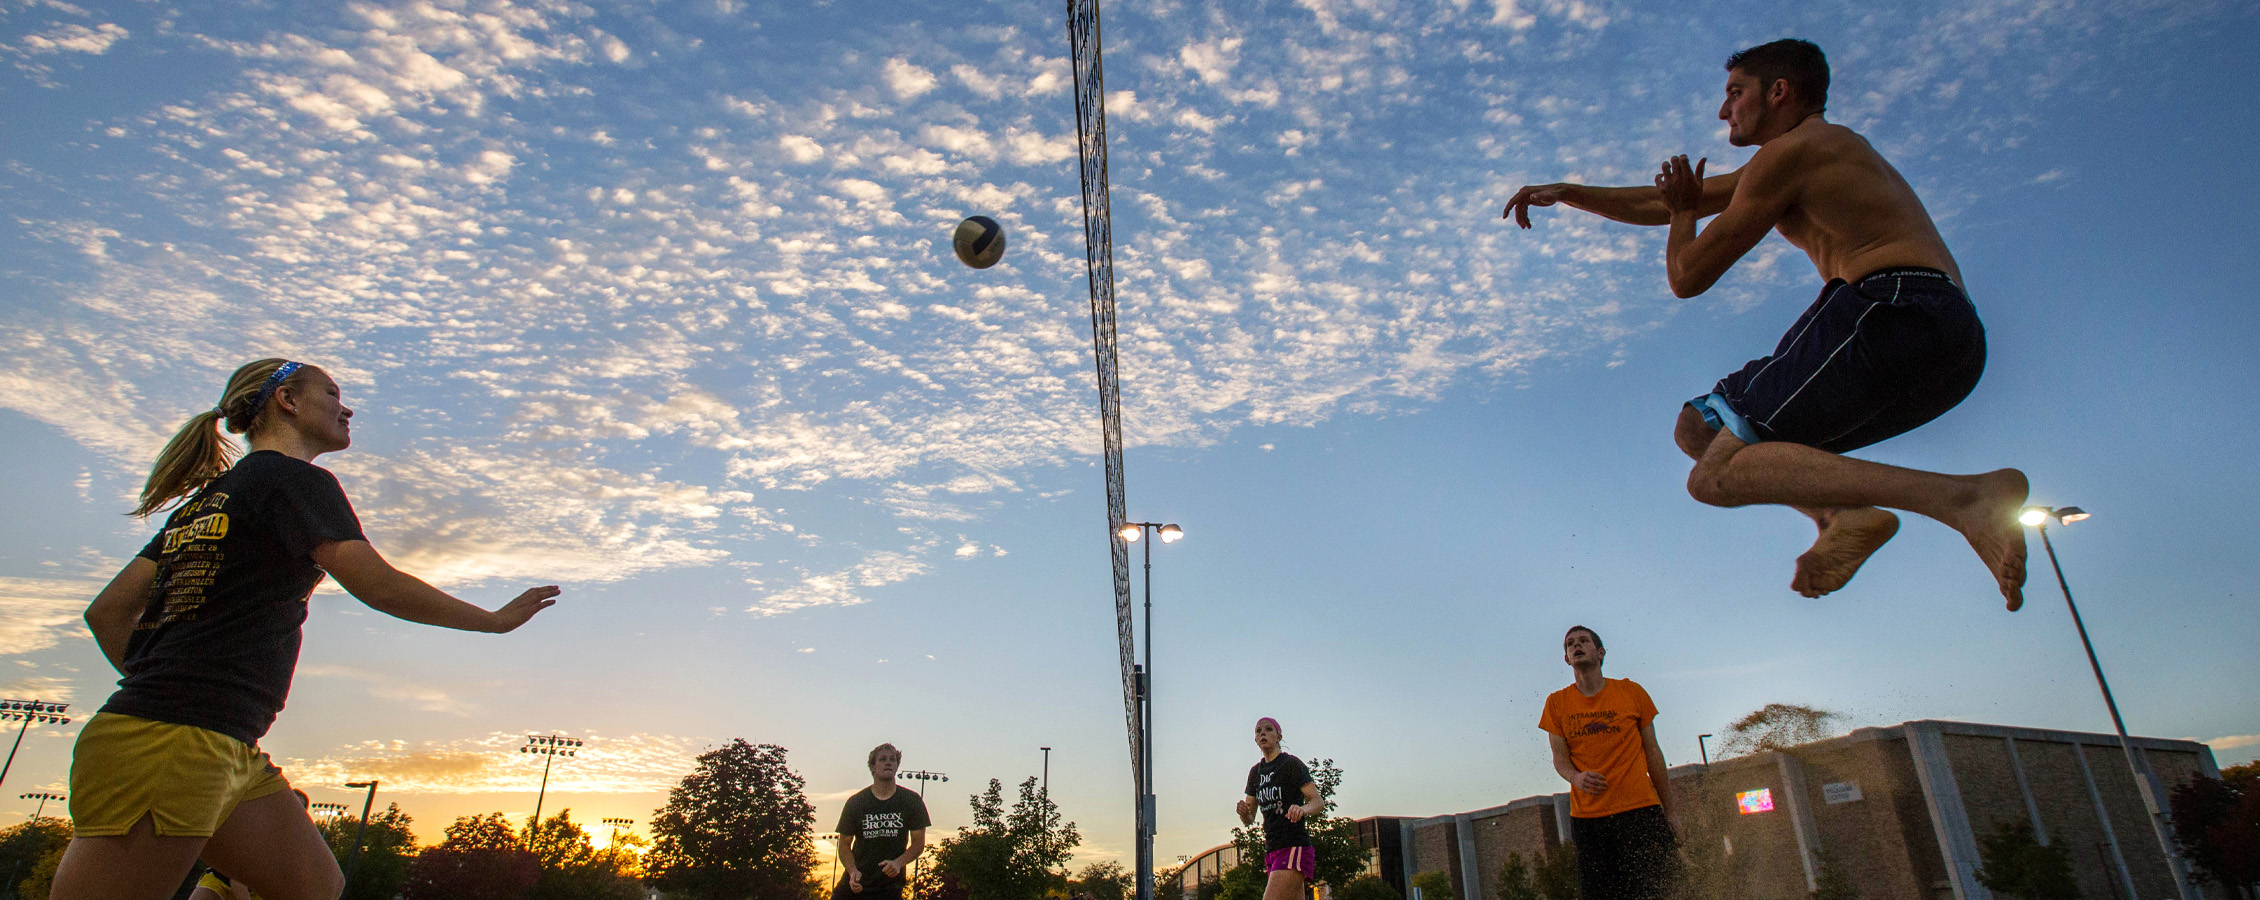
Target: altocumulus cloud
{"points": [[610, 289]]}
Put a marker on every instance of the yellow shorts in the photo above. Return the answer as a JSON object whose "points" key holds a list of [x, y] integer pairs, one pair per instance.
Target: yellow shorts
{"points": [[214, 883], [187, 779]]}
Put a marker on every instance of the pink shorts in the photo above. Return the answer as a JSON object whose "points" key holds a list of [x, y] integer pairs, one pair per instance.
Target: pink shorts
{"points": [[1293, 859]]}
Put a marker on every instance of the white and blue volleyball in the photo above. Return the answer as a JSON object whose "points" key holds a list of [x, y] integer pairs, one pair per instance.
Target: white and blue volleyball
{"points": [[979, 242]]}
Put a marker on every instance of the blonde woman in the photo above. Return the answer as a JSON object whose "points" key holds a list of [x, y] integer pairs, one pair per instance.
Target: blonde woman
{"points": [[204, 625]]}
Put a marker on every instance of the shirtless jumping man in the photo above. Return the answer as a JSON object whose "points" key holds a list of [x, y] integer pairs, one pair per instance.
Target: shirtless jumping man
{"points": [[1891, 343]]}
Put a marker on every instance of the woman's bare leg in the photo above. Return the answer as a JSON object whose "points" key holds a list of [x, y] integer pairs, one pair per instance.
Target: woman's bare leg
{"points": [[271, 846], [137, 865]]}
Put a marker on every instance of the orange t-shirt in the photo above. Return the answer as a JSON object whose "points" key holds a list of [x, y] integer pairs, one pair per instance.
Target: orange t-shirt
{"points": [[1603, 732]]}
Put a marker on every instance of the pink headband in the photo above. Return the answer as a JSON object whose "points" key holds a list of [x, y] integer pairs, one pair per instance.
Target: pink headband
{"points": [[1274, 724]]}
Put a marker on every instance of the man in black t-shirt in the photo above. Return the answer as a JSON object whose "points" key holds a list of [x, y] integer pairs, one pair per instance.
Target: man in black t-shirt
{"points": [[882, 829]]}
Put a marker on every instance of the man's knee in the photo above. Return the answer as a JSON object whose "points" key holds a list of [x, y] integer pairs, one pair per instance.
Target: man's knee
{"points": [[1708, 481], [1692, 433]]}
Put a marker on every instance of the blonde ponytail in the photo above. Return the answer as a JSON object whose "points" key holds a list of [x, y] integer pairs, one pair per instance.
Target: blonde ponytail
{"points": [[198, 453]]}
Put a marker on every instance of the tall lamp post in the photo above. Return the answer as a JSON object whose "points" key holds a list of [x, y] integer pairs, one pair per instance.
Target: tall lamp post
{"points": [[2161, 820], [28, 711], [1047, 772], [549, 747], [1706, 748], [353, 860], [923, 778], [1169, 534], [42, 797]]}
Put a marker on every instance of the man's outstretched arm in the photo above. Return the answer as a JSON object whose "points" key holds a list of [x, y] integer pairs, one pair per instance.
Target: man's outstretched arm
{"points": [[1695, 257], [1630, 205]]}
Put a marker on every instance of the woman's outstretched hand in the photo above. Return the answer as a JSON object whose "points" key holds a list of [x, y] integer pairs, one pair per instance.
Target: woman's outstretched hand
{"points": [[516, 612]]}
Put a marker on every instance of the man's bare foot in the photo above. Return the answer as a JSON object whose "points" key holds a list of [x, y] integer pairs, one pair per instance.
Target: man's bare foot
{"points": [[1851, 536], [1990, 524]]}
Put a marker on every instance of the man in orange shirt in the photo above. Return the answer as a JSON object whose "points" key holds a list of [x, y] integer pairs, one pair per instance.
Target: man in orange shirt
{"points": [[1604, 735]]}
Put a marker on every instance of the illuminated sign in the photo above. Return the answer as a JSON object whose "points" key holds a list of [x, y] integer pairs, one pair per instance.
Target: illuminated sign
{"points": [[1757, 801]]}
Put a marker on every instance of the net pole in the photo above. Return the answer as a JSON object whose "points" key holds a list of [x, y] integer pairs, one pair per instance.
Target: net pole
{"points": [[1098, 258]]}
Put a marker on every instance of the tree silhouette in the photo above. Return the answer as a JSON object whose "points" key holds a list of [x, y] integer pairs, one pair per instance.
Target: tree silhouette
{"points": [[481, 859], [1004, 855], [736, 828], [387, 850]]}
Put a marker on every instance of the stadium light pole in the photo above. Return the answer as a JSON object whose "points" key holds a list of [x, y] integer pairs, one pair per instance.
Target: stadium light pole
{"points": [[1706, 748], [2161, 819], [42, 797], [353, 860], [833, 837], [1047, 772], [28, 711], [617, 825], [923, 778], [327, 810], [549, 747], [1169, 534]]}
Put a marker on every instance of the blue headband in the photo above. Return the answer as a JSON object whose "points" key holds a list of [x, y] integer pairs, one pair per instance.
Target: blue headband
{"points": [[259, 401]]}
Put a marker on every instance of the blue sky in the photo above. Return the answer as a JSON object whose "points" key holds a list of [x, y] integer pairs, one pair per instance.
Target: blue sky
{"points": [[654, 301]]}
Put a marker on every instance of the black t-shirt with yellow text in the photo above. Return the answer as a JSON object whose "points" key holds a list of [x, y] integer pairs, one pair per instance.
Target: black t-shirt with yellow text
{"points": [[218, 639]]}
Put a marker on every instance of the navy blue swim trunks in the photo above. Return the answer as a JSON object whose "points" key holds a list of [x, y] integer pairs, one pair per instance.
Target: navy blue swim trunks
{"points": [[1871, 359]]}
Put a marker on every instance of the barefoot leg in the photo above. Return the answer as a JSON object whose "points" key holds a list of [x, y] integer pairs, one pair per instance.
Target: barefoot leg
{"points": [[1982, 507], [1848, 537]]}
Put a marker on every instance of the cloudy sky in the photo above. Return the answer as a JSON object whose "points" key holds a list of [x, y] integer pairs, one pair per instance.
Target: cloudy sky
{"points": [[654, 301]]}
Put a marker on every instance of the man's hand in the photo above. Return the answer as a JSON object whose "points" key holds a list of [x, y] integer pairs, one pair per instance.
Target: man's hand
{"points": [[1532, 195], [1681, 186], [1294, 814], [1590, 782], [1247, 810], [516, 612], [855, 881], [891, 868]]}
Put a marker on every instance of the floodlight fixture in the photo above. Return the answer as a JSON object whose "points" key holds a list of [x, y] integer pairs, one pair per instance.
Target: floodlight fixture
{"points": [[2033, 515], [1171, 534], [30, 712], [328, 809], [1131, 532], [42, 797]]}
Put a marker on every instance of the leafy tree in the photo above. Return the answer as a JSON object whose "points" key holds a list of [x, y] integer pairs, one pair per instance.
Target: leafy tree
{"points": [[1007, 855], [1436, 885], [624, 856], [2217, 823], [571, 866], [42, 878], [1366, 887], [1104, 881], [1777, 726], [1555, 875], [481, 859], [737, 827], [2014, 862], [1515, 881], [387, 849], [23, 846]]}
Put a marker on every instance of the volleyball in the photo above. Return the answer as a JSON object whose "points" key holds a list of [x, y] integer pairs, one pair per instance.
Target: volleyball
{"points": [[979, 242]]}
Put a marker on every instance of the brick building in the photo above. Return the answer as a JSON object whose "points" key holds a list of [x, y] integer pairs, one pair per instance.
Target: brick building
{"points": [[1898, 810]]}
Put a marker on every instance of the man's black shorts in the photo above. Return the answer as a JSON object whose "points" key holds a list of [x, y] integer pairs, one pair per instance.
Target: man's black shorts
{"points": [[1870, 360], [875, 887], [1632, 855]]}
